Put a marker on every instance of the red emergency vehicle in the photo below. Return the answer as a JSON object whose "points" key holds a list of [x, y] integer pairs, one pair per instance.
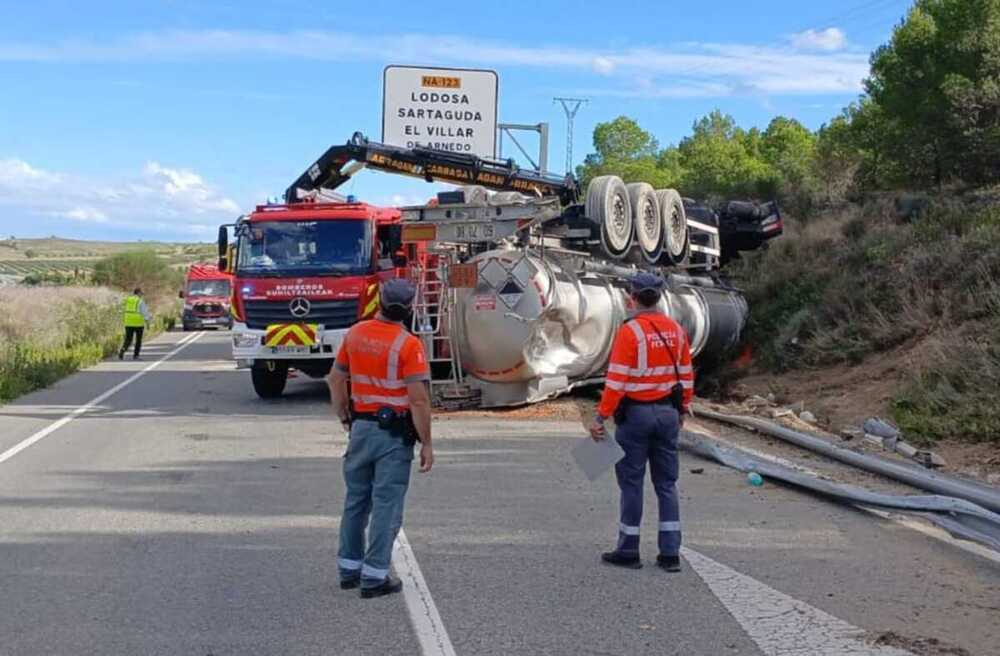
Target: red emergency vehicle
{"points": [[303, 273], [207, 292]]}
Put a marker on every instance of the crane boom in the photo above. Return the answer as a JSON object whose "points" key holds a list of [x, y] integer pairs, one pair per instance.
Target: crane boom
{"points": [[335, 167]]}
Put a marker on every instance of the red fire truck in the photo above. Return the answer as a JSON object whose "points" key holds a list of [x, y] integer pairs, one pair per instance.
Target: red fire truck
{"points": [[206, 295], [303, 274]]}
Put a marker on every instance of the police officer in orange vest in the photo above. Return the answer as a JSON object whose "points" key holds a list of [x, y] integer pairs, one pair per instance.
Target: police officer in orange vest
{"points": [[379, 390], [648, 391]]}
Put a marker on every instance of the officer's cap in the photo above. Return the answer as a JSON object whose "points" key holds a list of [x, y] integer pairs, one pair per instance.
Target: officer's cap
{"points": [[397, 291], [645, 280]]}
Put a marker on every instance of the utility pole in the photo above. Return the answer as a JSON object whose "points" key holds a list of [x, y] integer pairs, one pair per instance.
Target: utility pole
{"points": [[571, 106]]}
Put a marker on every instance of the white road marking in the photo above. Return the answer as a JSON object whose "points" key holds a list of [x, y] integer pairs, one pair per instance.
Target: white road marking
{"points": [[83, 409], [427, 624], [781, 625]]}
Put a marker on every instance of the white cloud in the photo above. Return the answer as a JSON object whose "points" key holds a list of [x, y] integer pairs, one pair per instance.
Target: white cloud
{"points": [[814, 62], [14, 172], [85, 215], [829, 40], [603, 65], [156, 199], [404, 200]]}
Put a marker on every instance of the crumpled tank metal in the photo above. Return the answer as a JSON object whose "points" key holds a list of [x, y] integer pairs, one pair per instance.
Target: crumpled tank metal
{"points": [[530, 318]]}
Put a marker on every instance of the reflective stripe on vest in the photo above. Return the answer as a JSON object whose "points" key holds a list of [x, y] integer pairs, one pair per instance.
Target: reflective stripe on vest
{"points": [[650, 381], [133, 316], [388, 389]]}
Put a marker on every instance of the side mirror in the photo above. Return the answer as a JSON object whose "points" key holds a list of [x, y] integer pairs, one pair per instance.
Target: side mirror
{"points": [[394, 238], [223, 263], [180, 294], [223, 242]]}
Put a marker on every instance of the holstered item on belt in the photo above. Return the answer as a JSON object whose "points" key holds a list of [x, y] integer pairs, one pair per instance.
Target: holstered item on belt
{"points": [[399, 424]]}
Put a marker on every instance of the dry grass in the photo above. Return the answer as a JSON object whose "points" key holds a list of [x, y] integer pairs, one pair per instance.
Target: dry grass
{"points": [[27, 312], [47, 333]]}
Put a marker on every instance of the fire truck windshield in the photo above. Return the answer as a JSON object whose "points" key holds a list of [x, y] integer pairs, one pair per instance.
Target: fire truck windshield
{"points": [[279, 248], [208, 288]]}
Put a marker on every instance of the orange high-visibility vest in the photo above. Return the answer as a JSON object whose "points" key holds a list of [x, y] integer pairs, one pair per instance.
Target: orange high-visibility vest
{"points": [[381, 358], [641, 367]]}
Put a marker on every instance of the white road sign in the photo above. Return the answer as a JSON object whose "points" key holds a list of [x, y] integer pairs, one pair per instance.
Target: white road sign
{"points": [[442, 108]]}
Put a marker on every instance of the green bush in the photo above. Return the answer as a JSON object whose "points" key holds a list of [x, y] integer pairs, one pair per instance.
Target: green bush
{"points": [[144, 268]]}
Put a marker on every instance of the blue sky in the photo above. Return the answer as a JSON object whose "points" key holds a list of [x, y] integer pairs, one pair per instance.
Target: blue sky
{"points": [[160, 120]]}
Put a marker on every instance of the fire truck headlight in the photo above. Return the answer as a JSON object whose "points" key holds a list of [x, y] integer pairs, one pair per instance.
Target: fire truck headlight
{"points": [[242, 340]]}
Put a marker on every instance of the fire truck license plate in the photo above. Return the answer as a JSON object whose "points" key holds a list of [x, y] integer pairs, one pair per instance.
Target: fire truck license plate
{"points": [[290, 350]]}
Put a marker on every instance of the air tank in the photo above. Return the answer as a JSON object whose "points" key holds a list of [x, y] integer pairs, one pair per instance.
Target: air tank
{"points": [[531, 319]]}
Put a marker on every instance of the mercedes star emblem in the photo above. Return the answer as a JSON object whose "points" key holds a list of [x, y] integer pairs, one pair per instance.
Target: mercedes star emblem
{"points": [[299, 307]]}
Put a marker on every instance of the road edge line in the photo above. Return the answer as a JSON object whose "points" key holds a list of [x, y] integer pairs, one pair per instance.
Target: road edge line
{"points": [[90, 405], [424, 615]]}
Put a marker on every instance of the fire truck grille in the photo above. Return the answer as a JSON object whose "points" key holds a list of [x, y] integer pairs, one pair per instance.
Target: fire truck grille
{"points": [[209, 309], [330, 314]]}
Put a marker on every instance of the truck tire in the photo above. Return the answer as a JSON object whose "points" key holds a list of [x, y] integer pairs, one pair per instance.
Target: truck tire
{"points": [[608, 207], [676, 244], [648, 223], [269, 379]]}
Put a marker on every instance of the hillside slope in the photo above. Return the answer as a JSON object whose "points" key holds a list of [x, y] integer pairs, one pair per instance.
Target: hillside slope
{"points": [[864, 313]]}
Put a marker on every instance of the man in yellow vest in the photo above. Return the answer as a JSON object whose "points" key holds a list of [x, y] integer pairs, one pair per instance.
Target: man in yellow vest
{"points": [[135, 318]]}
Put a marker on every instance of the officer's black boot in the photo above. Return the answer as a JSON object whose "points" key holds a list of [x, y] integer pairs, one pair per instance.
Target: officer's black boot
{"points": [[388, 586], [621, 560], [669, 563]]}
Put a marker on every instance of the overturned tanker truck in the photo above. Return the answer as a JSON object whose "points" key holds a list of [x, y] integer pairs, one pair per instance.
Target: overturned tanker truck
{"points": [[522, 276]]}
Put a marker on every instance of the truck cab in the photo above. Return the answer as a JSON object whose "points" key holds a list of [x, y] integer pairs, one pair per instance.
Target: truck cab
{"points": [[207, 293], [304, 273]]}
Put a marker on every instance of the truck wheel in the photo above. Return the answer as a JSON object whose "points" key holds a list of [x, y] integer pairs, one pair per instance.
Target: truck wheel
{"points": [[608, 207], [648, 223], [676, 244], [269, 379]]}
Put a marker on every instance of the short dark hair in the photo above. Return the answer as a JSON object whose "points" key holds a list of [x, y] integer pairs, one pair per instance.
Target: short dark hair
{"points": [[395, 312], [647, 298], [137, 290]]}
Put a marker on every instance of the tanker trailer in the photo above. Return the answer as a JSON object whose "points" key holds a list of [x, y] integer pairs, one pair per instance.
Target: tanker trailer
{"points": [[521, 291], [534, 327]]}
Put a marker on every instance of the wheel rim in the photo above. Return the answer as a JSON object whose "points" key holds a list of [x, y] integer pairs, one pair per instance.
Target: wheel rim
{"points": [[677, 231], [619, 227], [651, 228]]}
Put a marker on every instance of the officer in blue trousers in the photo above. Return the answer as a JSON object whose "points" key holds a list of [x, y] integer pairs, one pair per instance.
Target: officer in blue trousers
{"points": [[648, 390]]}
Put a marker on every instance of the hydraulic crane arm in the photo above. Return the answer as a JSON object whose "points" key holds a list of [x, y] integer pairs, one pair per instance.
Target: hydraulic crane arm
{"points": [[339, 163]]}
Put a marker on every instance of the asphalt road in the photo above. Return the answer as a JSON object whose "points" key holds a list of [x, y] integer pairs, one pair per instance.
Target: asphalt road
{"points": [[181, 515]]}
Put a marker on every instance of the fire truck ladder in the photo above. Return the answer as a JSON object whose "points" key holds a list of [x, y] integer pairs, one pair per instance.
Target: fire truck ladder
{"points": [[433, 322]]}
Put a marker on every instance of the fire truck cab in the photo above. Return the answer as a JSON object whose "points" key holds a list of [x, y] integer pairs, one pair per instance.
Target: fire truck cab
{"points": [[303, 273]]}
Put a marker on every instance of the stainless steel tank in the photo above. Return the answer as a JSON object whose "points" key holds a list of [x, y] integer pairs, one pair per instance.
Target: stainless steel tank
{"points": [[531, 319]]}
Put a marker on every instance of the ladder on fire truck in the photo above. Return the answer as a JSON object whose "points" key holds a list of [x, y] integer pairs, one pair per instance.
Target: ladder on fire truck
{"points": [[434, 323]]}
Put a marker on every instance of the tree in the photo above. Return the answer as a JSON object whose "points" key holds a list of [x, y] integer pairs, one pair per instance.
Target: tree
{"points": [[718, 161], [789, 148], [626, 150], [145, 269], [937, 83]]}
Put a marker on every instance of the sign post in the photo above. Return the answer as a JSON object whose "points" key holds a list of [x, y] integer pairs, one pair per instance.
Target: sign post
{"points": [[453, 110]]}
